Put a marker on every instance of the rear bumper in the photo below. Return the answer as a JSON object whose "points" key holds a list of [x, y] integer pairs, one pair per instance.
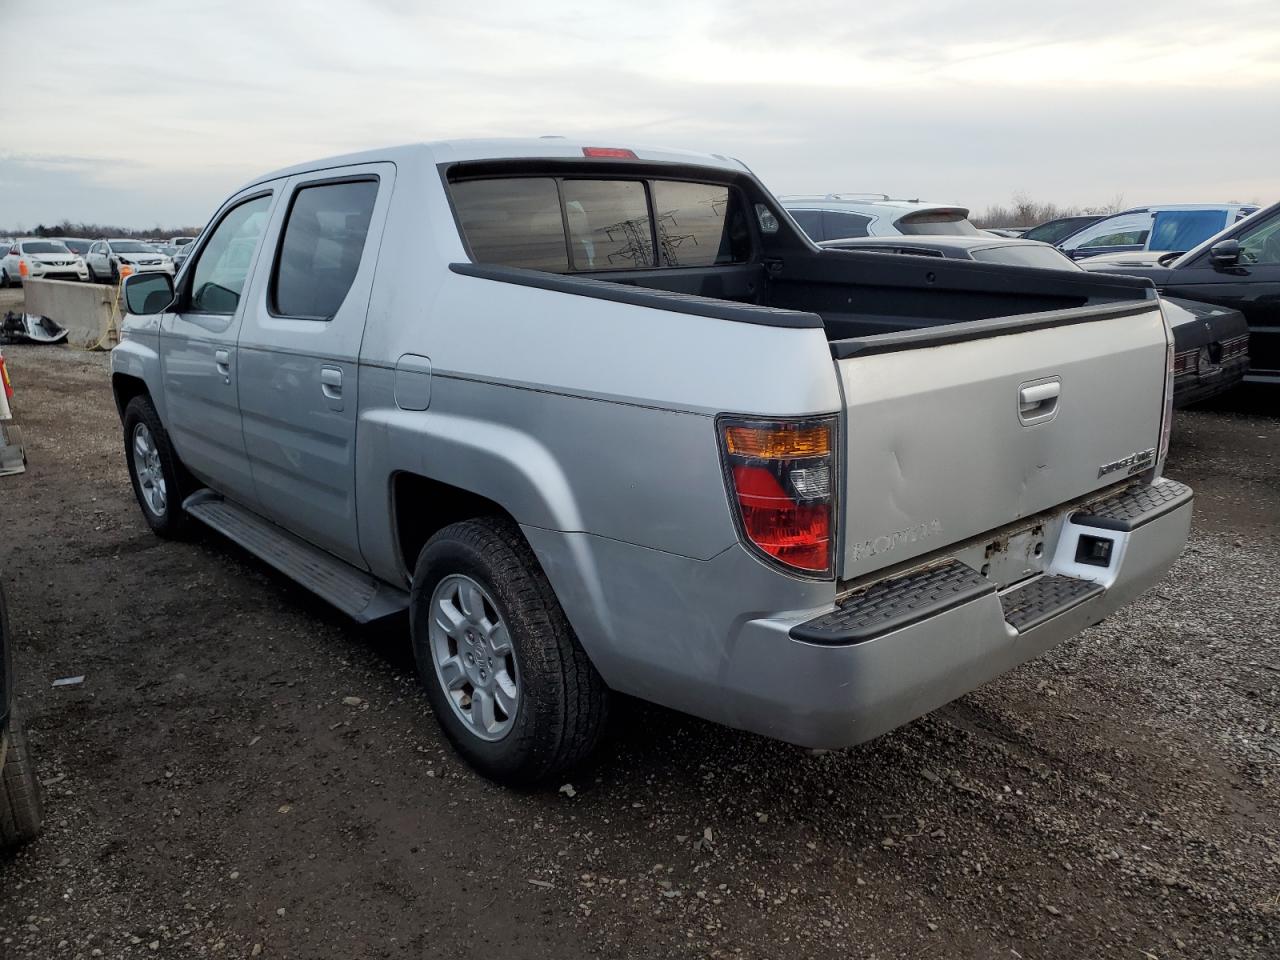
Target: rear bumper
{"points": [[1201, 385], [784, 683]]}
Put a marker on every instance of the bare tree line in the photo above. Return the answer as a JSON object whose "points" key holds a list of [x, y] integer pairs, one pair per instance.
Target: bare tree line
{"points": [[1023, 211], [94, 230]]}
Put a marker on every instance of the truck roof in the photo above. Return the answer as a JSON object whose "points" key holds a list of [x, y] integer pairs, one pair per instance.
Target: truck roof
{"points": [[542, 148]]}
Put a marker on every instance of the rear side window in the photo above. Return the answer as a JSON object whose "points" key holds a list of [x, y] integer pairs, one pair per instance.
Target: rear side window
{"points": [[700, 224], [321, 248], [590, 225], [810, 222], [841, 226]]}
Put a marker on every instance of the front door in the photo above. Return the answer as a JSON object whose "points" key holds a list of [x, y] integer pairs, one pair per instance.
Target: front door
{"points": [[299, 375], [198, 349], [1252, 286]]}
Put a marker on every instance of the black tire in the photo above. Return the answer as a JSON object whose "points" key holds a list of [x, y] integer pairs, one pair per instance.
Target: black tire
{"points": [[93, 277], [115, 273], [562, 702], [172, 521], [4, 279], [21, 810]]}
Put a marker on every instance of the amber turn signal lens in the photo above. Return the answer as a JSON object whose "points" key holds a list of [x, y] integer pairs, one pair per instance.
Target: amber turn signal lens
{"points": [[779, 442]]}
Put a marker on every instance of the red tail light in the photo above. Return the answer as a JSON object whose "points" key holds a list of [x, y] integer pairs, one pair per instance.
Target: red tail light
{"points": [[781, 476], [617, 153]]}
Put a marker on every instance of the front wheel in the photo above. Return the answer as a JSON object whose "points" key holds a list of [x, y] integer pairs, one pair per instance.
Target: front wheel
{"points": [[154, 469], [509, 683], [21, 811]]}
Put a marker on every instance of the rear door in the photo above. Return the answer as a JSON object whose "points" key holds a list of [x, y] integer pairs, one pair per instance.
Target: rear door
{"points": [[949, 440], [299, 347], [198, 354], [1252, 286]]}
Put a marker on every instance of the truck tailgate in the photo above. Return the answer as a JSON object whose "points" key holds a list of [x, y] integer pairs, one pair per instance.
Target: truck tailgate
{"points": [[949, 436]]}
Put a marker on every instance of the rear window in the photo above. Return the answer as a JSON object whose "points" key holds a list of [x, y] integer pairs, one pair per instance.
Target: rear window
{"points": [[609, 224], [1026, 255], [949, 223], [516, 223], [700, 224], [590, 225]]}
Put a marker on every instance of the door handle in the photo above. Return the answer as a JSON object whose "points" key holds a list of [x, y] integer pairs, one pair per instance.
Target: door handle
{"points": [[1037, 401], [331, 382], [222, 360], [331, 385]]}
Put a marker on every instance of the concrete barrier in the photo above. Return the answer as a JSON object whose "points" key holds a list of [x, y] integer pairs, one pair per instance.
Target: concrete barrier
{"points": [[85, 309]]}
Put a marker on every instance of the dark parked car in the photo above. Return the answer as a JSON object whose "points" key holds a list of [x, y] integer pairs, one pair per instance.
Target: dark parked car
{"points": [[1237, 268], [20, 813], [1053, 231], [1210, 342]]}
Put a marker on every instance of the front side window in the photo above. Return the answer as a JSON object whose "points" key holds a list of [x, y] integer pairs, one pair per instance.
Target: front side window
{"points": [[321, 248], [1262, 243], [223, 265], [1184, 229], [609, 225]]}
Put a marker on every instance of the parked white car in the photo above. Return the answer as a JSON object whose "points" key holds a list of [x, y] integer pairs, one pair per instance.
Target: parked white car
{"points": [[1162, 228], [837, 216], [106, 257], [36, 259]]}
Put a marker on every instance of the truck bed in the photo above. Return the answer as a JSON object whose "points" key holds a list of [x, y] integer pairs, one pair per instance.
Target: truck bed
{"points": [[857, 296]]}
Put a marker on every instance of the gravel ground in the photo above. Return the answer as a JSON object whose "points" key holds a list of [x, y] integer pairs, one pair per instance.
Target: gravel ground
{"points": [[210, 793]]}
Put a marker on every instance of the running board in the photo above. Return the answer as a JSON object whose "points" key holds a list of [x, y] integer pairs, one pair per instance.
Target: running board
{"points": [[1044, 598], [356, 593]]}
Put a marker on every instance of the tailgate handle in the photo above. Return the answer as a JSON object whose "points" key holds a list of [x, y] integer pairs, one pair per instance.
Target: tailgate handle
{"points": [[1038, 401]]}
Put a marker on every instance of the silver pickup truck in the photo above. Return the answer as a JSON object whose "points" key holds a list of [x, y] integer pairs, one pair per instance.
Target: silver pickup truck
{"points": [[604, 419]]}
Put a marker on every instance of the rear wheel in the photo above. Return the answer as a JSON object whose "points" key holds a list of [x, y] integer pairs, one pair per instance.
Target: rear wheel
{"points": [[21, 811], [157, 474], [505, 674]]}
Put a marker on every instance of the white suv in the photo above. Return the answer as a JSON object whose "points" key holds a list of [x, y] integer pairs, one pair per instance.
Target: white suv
{"points": [[838, 216], [36, 259]]}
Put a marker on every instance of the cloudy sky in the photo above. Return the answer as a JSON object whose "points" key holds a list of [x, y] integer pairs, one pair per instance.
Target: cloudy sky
{"points": [[144, 113]]}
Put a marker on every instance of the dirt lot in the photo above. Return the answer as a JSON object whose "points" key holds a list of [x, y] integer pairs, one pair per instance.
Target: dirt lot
{"points": [[210, 794]]}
